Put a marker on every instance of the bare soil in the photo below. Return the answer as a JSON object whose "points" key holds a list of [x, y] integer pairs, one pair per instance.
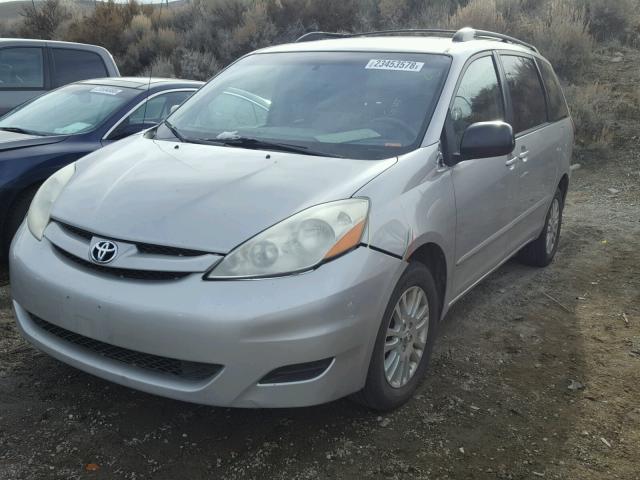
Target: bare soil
{"points": [[536, 374]]}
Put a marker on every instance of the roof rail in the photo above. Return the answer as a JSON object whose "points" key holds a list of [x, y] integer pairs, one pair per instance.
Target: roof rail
{"points": [[467, 33], [311, 36], [463, 35], [408, 31]]}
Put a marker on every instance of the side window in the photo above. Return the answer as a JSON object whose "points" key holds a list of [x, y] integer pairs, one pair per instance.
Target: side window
{"points": [[527, 95], [232, 110], [478, 99], [557, 104], [72, 65], [156, 110], [21, 67]]}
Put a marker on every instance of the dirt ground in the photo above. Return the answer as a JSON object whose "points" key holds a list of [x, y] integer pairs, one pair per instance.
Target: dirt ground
{"points": [[536, 374]]}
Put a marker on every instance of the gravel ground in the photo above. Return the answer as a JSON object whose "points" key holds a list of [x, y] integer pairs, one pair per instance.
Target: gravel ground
{"points": [[536, 374]]}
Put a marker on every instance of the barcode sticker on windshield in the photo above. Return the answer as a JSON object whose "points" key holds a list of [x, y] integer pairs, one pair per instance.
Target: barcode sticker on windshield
{"points": [[400, 65], [106, 90]]}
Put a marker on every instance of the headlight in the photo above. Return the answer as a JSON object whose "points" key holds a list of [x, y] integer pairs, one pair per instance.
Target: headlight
{"points": [[40, 209], [298, 243]]}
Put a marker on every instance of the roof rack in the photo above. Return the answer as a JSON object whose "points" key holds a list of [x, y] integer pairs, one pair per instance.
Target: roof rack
{"points": [[311, 36], [467, 33], [463, 35]]}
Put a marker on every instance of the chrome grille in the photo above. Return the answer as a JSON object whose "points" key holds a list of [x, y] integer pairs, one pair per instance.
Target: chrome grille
{"points": [[142, 247], [172, 251], [122, 272], [76, 231]]}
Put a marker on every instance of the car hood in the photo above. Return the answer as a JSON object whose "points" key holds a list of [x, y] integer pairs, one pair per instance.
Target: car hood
{"points": [[200, 197], [13, 141]]}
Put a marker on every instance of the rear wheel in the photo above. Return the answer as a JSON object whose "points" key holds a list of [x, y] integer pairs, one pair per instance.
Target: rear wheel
{"points": [[540, 252], [404, 341]]}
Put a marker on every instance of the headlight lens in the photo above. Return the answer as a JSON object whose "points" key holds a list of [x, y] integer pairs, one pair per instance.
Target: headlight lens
{"points": [[40, 209], [298, 243]]}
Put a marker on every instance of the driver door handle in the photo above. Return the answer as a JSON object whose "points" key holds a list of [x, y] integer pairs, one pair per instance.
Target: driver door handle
{"points": [[511, 161]]}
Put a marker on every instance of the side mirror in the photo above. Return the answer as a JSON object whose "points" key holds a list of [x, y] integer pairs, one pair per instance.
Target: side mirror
{"points": [[173, 108], [124, 131], [487, 139]]}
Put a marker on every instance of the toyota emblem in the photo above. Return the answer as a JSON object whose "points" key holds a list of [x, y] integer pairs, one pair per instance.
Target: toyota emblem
{"points": [[104, 251]]}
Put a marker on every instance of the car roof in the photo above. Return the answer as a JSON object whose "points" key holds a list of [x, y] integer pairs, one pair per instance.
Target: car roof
{"points": [[32, 42], [142, 83], [398, 43]]}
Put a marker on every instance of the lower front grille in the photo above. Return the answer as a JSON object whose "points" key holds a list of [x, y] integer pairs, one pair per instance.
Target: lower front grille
{"points": [[123, 272], [191, 371]]}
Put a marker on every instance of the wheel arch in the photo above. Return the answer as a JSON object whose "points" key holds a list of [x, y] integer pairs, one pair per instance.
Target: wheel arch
{"points": [[563, 185], [433, 257]]}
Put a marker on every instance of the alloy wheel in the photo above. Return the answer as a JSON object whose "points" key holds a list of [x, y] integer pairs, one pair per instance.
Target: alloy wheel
{"points": [[406, 337], [553, 225]]}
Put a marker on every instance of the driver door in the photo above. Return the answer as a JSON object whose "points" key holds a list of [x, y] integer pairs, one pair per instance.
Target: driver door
{"points": [[484, 188]]}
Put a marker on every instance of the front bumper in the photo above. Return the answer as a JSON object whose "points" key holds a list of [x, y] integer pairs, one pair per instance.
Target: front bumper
{"points": [[250, 327]]}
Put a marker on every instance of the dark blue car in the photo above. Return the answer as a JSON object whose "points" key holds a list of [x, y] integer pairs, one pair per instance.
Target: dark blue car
{"points": [[59, 127]]}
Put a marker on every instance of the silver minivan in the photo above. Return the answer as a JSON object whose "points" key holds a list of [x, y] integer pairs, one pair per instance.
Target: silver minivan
{"points": [[297, 229]]}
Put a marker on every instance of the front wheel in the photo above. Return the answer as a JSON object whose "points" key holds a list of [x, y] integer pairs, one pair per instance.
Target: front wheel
{"points": [[404, 341], [540, 252]]}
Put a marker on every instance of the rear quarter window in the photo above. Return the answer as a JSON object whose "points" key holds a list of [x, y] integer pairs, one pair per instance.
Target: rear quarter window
{"points": [[527, 95], [72, 65], [557, 104]]}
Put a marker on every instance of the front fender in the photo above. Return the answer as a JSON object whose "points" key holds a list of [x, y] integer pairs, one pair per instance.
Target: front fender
{"points": [[413, 204]]}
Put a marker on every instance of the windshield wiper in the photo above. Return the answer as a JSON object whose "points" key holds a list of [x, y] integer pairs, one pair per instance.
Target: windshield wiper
{"points": [[174, 131], [22, 130], [256, 144]]}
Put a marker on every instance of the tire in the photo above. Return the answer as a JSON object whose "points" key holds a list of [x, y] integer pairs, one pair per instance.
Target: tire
{"points": [[378, 392], [538, 253], [17, 212]]}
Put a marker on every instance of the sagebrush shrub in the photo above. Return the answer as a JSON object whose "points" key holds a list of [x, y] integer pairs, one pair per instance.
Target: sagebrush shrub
{"points": [[588, 105], [42, 21], [560, 31], [482, 14], [140, 25], [611, 18], [166, 41], [256, 29], [9, 28], [161, 67], [197, 65]]}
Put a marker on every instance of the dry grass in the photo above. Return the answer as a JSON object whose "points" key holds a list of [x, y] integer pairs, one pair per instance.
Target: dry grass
{"points": [[560, 31], [590, 107], [612, 19], [483, 14]]}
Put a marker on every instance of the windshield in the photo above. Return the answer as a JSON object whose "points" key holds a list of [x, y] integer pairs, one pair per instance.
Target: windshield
{"points": [[347, 104], [69, 110]]}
